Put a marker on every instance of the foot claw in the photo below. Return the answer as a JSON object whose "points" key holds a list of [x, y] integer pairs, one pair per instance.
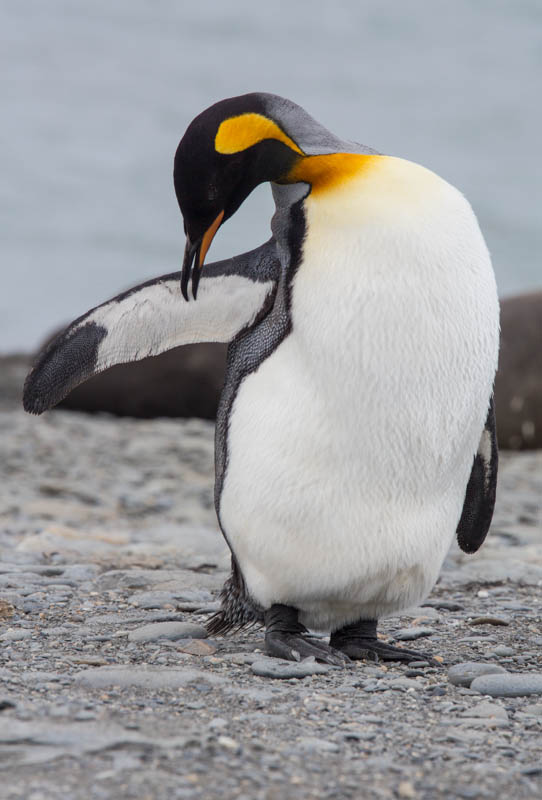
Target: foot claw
{"points": [[376, 650], [297, 646]]}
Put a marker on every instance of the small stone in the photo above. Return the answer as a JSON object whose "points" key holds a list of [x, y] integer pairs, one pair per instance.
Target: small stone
{"points": [[463, 674], [533, 710], [486, 710], [312, 744], [167, 630], [410, 634], [503, 650], [145, 677], [509, 684], [197, 647], [229, 744], [279, 668], [406, 789], [7, 610], [489, 621], [15, 635], [483, 593]]}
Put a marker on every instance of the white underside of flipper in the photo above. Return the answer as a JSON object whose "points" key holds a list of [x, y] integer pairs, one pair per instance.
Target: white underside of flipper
{"points": [[156, 318], [350, 447]]}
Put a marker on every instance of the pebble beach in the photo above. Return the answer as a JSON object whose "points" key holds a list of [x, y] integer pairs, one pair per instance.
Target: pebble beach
{"points": [[110, 565]]}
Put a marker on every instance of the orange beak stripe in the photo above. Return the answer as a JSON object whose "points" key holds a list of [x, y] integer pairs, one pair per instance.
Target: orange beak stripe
{"points": [[208, 237]]}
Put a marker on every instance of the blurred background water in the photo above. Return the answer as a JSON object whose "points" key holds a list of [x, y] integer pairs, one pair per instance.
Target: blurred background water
{"points": [[96, 95]]}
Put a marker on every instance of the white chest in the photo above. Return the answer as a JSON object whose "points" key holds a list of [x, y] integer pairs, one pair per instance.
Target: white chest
{"points": [[350, 447]]}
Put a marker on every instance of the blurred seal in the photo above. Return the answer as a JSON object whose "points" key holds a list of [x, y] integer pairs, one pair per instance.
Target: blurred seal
{"points": [[183, 382], [518, 385]]}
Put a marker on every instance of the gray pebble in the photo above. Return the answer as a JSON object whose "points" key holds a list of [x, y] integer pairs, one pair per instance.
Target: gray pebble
{"points": [[144, 677], [409, 634], [486, 710], [463, 674], [167, 630], [509, 684], [503, 650], [278, 668], [312, 744], [15, 635]]}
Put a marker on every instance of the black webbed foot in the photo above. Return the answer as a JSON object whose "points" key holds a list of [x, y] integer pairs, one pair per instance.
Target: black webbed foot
{"points": [[285, 637], [359, 641]]}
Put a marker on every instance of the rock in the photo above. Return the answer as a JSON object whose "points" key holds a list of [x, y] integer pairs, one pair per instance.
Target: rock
{"points": [[410, 634], [196, 647], [463, 674], [312, 744], [170, 580], [503, 650], [7, 609], [278, 668], [15, 635], [158, 599], [144, 677], [509, 684], [488, 570], [229, 744], [486, 710], [406, 790], [34, 741], [167, 630], [518, 384]]}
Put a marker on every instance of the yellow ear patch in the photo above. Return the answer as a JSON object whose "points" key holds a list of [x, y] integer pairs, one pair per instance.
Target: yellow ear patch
{"points": [[239, 133], [329, 171]]}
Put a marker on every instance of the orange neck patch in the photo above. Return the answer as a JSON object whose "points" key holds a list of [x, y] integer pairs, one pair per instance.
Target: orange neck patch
{"points": [[330, 171], [239, 133]]}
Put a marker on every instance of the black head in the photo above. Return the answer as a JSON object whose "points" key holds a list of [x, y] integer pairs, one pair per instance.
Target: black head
{"points": [[225, 153]]}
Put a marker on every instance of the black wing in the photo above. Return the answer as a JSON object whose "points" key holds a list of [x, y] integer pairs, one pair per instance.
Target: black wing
{"points": [[480, 495]]}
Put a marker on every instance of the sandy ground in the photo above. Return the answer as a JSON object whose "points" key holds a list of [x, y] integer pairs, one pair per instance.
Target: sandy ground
{"points": [[110, 563]]}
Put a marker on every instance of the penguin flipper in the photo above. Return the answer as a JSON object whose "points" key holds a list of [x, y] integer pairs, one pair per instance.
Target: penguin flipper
{"points": [[152, 318], [481, 488]]}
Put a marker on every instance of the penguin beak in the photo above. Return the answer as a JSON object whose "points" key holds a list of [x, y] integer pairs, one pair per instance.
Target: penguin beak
{"points": [[194, 257]]}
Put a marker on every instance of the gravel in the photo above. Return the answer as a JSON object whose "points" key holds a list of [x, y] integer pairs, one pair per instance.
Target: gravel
{"points": [[110, 551]]}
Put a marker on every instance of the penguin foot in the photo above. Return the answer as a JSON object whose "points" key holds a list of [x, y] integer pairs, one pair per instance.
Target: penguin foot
{"points": [[359, 641], [285, 637]]}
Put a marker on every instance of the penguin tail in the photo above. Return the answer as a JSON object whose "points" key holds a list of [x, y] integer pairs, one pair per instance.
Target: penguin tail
{"points": [[238, 610]]}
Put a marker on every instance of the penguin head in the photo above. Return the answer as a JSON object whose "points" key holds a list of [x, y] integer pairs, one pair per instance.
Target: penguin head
{"points": [[226, 152]]}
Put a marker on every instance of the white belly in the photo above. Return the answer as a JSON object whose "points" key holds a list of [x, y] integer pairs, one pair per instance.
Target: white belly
{"points": [[350, 448]]}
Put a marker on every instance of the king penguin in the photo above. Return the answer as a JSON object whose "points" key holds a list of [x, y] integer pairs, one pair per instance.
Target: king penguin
{"points": [[356, 430]]}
